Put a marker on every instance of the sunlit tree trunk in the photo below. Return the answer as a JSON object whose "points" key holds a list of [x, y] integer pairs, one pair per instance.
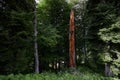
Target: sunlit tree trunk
{"points": [[35, 41], [72, 41]]}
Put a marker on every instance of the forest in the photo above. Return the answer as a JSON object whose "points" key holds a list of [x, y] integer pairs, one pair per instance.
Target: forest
{"points": [[59, 39]]}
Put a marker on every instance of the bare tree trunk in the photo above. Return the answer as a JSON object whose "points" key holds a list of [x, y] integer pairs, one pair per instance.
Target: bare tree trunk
{"points": [[72, 41], [35, 41]]}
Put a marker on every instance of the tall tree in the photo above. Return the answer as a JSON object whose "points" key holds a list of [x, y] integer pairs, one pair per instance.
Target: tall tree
{"points": [[72, 41], [101, 18], [35, 40], [16, 37], [54, 18]]}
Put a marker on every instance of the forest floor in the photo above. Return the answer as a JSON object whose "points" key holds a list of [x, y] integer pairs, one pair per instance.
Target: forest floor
{"points": [[79, 74]]}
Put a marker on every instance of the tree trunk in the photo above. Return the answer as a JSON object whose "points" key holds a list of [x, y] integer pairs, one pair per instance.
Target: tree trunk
{"points": [[72, 41], [35, 41], [108, 71]]}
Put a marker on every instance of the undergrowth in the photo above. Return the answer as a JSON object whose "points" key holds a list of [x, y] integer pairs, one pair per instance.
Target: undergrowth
{"points": [[81, 73], [53, 76]]}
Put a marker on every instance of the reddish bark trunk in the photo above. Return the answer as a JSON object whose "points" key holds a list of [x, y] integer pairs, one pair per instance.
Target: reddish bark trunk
{"points": [[72, 41]]}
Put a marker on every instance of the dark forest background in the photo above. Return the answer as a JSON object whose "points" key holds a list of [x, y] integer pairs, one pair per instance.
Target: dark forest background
{"points": [[97, 35]]}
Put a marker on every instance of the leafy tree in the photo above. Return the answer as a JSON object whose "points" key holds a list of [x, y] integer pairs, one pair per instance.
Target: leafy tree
{"points": [[53, 29], [111, 36], [16, 38], [100, 19]]}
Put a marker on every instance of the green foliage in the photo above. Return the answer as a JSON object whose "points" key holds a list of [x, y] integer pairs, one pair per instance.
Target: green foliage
{"points": [[52, 76], [102, 27], [97, 24], [53, 20], [111, 34], [20, 39], [16, 37], [48, 35]]}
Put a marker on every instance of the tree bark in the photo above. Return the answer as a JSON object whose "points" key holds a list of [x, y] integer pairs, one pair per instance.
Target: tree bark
{"points": [[108, 71], [72, 41], [35, 41]]}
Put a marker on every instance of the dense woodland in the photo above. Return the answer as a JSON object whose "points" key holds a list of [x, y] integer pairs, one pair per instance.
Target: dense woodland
{"points": [[34, 37]]}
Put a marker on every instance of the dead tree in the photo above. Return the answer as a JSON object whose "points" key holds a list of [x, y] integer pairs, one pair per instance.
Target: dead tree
{"points": [[72, 41]]}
